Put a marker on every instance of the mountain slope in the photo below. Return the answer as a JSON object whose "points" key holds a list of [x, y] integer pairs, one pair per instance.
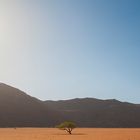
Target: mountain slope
{"points": [[20, 109], [90, 112], [17, 109]]}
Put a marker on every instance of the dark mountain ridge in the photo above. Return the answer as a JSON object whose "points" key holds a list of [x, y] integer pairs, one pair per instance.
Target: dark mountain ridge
{"points": [[17, 109], [89, 112]]}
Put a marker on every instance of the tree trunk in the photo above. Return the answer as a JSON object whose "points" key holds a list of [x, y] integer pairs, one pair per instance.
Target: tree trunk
{"points": [[69, 131]]}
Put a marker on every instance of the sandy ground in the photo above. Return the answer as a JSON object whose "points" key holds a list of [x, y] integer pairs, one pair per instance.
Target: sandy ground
{"points": [[78, 134]]}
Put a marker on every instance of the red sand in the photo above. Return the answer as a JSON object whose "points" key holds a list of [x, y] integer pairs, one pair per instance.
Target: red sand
{"points": [[78, 134]]}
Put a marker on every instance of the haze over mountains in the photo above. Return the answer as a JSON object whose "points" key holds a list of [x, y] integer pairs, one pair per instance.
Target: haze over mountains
{"points": [[17, 109]]}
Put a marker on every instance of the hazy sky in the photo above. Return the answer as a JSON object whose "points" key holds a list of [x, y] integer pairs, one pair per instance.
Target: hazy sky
{"points": [[61, 49]]}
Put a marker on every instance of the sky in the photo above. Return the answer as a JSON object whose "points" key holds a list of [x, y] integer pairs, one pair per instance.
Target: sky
{"points": [[63, 49]]}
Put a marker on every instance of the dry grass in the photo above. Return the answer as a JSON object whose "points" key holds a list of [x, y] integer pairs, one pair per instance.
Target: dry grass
{"points": [[78, 134]]}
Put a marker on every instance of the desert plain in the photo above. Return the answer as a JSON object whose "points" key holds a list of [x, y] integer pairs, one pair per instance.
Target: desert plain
{"points": [[78, 134]]}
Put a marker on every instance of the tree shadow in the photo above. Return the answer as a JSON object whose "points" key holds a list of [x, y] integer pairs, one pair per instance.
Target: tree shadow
{"points": [[71, 134], [79, 134]]}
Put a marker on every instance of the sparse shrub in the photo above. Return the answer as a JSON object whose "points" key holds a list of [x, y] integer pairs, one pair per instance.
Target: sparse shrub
{"points": [[68, 126]]}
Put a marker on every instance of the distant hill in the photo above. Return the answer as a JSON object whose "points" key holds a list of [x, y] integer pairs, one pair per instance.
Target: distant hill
{"points": [[90, 112], [17, 109]]}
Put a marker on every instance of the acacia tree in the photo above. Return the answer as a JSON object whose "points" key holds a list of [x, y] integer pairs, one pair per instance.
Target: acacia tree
{"points": [[67, 126]]}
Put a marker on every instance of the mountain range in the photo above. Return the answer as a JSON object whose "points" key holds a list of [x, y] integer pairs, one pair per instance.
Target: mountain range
{"points": [[18, 109]]}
